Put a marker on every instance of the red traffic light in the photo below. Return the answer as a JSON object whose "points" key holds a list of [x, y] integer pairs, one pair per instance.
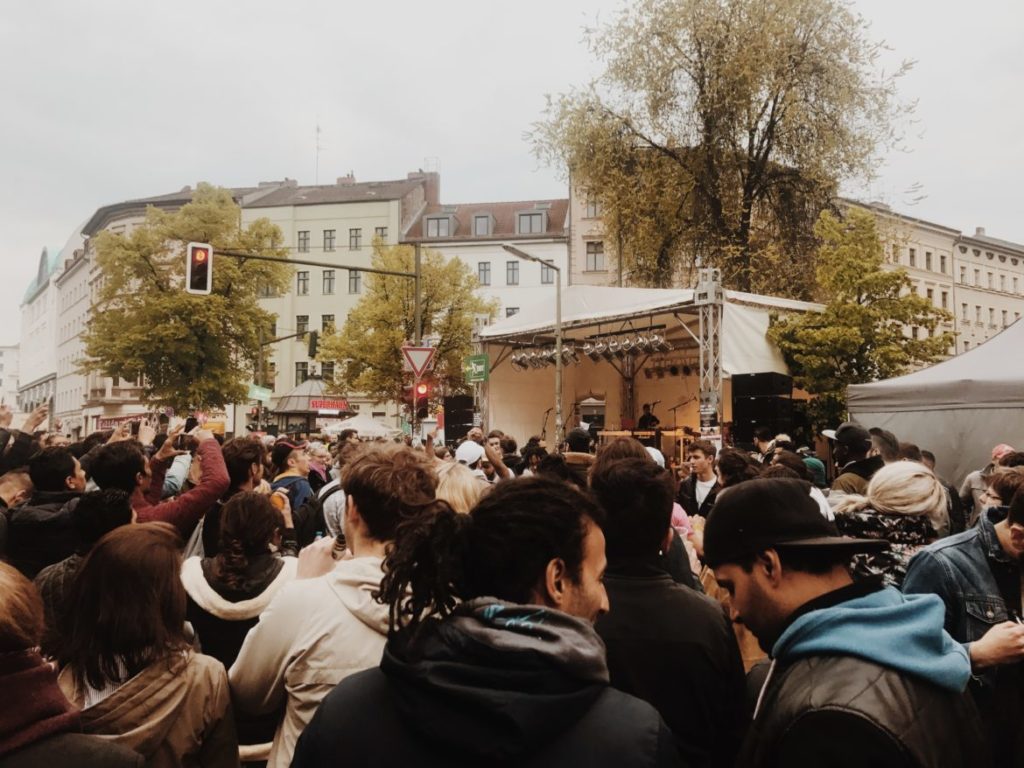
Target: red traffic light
{"points": [[199, 268], [422, 389]]}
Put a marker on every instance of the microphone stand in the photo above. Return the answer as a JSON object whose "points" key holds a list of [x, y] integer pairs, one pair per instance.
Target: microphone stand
{"points": [[544, 426]]}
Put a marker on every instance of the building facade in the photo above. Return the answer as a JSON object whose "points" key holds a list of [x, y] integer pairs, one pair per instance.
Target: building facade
{"points": [[989, 280], [9, 376], [38, 339]]}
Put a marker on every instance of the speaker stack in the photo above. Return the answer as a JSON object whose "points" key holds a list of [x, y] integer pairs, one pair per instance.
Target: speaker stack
{"points": [[761, 400], [458, 417]]}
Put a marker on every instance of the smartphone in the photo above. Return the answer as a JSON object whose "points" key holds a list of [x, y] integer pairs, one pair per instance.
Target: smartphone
{"points": [[135, 428], [190, 423]]}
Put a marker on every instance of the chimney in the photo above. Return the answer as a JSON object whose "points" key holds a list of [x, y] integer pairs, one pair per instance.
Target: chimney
{"points": [[979, 231], [431, 187], [347, 180]]}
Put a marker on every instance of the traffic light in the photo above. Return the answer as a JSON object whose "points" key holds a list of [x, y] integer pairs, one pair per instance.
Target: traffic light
{"points": [[422, 400], [313, 339], [199, 268]]}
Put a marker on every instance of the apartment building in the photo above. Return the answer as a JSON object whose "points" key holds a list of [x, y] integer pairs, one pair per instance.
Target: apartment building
{"points": [[593, 260], [989, 276], [38, 339], [474, 233], [9, 376]]}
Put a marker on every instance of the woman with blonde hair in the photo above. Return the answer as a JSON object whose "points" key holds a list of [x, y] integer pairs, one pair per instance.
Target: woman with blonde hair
{"points": [[905, 504], [457, 485]]}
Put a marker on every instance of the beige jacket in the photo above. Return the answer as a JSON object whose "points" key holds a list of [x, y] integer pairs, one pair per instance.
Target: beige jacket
{"points": [[315, 633], [176, 712]]}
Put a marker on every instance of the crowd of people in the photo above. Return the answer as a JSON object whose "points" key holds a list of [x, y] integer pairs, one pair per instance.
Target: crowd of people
{"points": [[175, 599]]}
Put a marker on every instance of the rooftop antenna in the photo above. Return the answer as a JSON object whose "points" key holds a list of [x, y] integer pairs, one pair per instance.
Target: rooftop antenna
{"points": [[316, 163]]}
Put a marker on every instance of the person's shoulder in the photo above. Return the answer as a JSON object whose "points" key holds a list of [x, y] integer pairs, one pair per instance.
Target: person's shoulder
{"points": [[78, 749], [946, 546], [368, 688]]}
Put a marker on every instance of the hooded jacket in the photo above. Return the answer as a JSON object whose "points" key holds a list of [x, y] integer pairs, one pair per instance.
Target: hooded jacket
{"points": [[314, 633], [222, 618], [866, 676], [494, 684], [176, 712], [40, 532]]}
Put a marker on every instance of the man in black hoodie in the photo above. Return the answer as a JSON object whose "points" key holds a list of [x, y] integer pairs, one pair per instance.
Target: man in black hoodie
{"points": [[492, 658], [40, 531], [667, 644]]}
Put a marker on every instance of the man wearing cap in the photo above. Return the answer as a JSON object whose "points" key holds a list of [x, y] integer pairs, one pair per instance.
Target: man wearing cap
{"points": [[473, 455], [850, 446], [860, 675], [976, 483]]}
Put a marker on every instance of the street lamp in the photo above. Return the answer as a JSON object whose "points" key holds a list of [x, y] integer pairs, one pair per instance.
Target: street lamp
{"points": [[558, 333]]}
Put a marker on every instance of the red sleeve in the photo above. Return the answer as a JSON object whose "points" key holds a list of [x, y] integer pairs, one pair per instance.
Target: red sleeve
{"points": [[185, 511], [156, 480]]}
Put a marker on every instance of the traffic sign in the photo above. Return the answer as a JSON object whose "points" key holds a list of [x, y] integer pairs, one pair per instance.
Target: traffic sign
{"points": [[476, 368], [419, 359], [262, 394]]}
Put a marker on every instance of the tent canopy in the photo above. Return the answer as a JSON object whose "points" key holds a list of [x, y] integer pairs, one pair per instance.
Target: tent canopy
{"points": [[366, 426], [958, 408]]}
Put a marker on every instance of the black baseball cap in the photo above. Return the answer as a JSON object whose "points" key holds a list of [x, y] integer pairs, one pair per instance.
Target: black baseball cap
{"points": [[773, 513], [849, 433]]}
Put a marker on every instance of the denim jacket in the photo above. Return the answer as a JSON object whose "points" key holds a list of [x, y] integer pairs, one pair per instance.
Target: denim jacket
{"points": [[959, 570]]}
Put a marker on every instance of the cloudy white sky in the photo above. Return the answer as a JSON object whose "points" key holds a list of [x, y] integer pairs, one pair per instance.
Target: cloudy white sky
{"points": [[112, 99]]}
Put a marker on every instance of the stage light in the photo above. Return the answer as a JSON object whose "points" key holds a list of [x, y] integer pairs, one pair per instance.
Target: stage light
{"points": [[518, 362], [593, 350], [569, 355]]}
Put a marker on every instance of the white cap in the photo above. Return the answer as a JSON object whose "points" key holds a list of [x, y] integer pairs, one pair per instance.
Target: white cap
{"points": [[469, 453], [656, 455]]}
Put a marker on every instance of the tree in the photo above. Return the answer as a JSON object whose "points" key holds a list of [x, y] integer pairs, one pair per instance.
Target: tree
{"points": [[367, 349], [189, 351], [719, 130], [862, 334]]}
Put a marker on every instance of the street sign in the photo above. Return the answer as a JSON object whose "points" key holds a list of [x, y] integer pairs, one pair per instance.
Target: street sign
{"points": [[260, 394], [335, 404], [477, 368], [419, 359]]}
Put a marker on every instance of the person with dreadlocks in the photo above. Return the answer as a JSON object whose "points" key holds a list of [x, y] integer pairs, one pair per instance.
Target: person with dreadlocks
{"points": [[326, 625], [492, 657]]}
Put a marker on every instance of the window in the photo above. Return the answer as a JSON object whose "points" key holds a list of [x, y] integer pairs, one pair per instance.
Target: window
{"points": [[912, 257], [928, 260], [895, 257], [302, 283], [547, 275], [1006, 318], [914, 332], [355, 281], [355, 239], [438, 227], [593, 208], [945, 299], [942, 263], [301, 323], [930, 295], [512, 273], [271, 376], [264, 291], [327, 371], [382, 233], [1016, 285], [991, 316], [482, 225], [329, 239], [304, 241], [509, 311], [328, 282], [963, 313], [991, 281], [483, 272], [967, 345], [595, 257], [531, 223], [977, 277], [301, 373], [977, 314], [327, 324], [963, 275], [1002, 282]]}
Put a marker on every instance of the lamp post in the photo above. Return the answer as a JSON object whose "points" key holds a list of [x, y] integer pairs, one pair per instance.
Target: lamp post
{"points": [[558, 333]]}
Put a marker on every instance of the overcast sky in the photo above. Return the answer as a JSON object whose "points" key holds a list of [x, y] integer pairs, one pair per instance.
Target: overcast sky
{"points": [[109, 100]]}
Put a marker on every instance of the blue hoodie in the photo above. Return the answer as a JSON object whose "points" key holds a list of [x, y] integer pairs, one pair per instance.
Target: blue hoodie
{"points": [[902, 632]]}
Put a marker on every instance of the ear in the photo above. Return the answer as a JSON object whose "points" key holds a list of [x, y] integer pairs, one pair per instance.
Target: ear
{"points": [[770, 566], [1017, 536], [69, 482], [556, 582]]}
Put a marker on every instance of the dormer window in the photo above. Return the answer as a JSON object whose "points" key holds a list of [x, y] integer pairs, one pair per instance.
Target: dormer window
{"points": [[439, 226], [532, 223], [482, 225]]}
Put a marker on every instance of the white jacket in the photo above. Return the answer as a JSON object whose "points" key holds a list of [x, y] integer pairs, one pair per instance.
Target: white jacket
{"points": [[315, 633]]}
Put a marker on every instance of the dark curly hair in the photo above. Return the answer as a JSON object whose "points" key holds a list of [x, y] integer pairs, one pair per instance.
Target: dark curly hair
{"points": [[500, 549], [248, 525], [735, 466]]}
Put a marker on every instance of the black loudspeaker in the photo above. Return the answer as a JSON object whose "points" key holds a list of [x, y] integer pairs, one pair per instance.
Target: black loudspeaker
{"points": [[762, 385], [458, 417], [762, 409]]}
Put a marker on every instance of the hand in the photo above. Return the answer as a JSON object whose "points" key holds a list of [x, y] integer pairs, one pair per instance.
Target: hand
{"points": [[167, 450], [6, 414], [12, 499], [201, 434], [316, 560], [432, 435], [122, 431], [146, 433], [494, 456], [1003, 644], [696, 535], [34, 419], [282, 502]]}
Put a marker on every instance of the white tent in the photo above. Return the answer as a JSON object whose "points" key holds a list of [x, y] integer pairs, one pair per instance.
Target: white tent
{"points": [[516, 401], [958, 409], [365, 425]]}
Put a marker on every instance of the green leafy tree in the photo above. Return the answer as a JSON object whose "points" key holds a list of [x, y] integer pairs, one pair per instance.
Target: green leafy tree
{"points": [[861, 335], [718, 132], [190, 351], [367, 349]]}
